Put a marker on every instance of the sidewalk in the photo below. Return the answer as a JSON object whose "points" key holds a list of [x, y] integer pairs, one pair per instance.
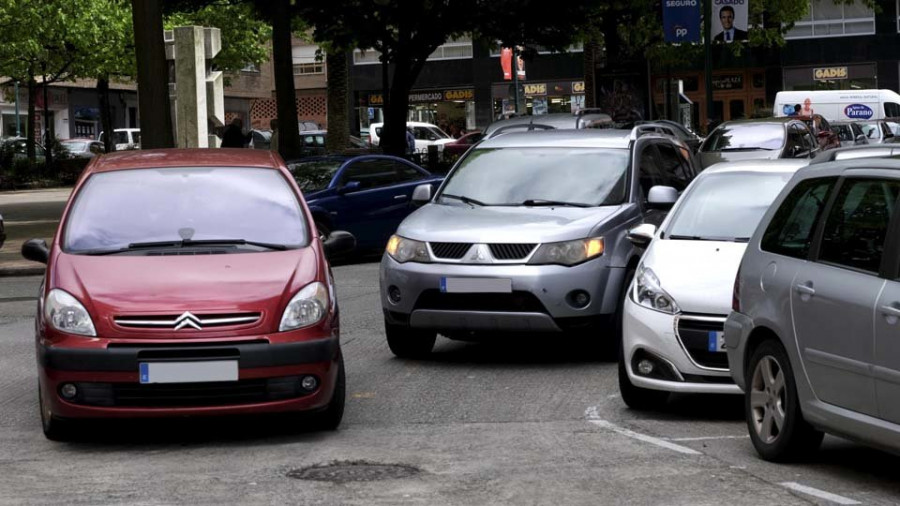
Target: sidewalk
{"points": [[28, 214]]}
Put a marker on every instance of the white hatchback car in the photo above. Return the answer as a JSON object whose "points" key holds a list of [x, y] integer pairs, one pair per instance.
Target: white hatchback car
{"points": [[674, 314], [426, 134]]}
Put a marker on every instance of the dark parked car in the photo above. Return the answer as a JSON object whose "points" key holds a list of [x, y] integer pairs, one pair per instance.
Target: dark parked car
{"points": [[187, 282], [459, 147], [758, 139], [367, 195]]}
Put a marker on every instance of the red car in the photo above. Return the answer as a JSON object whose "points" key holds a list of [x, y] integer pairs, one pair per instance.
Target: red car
{"points": [[187, 282], [459, 147]]}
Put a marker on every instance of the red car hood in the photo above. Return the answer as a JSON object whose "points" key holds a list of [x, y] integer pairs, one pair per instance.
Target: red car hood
{"points": [[154, 286]]}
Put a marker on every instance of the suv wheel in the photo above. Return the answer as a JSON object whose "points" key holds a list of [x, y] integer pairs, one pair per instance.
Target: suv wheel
{"points": [[635, 397], [772, 407], [406, 342]]}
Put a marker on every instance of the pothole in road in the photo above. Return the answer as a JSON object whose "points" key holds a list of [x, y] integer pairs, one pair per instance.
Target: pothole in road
{"points": [[347, 471]]}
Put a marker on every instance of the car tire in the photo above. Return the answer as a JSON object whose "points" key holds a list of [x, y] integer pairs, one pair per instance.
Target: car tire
{"points": [[55, 428], [331, 418], [406, 342], [637, 398], [772, 394]]}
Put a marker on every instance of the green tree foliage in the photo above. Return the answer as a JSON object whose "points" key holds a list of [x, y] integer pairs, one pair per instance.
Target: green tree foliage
{"points": [[406, 32]]}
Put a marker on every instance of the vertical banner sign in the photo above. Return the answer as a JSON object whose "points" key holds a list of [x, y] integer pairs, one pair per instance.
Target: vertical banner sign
{"points": [[520, 63], [506, 63], [729, 20], [681, 20]]}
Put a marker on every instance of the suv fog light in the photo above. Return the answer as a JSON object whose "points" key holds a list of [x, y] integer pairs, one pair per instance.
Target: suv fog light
{"points": [[394, 294], [645, 367], [68, 390], [309, 383], [579, 299]]}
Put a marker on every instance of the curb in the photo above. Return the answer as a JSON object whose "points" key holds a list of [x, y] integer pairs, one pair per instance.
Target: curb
{"points": [[21, 271]]}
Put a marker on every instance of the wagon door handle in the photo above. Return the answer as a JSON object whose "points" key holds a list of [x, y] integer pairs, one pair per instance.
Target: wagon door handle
{"points": [[399, 197], [891, 313], [805, 289]]}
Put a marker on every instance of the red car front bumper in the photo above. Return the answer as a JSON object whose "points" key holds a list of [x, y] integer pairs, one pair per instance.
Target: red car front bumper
{"points": [[107, 380]]}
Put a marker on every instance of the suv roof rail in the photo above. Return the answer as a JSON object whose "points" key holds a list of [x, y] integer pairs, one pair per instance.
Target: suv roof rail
{"points": [[528, 127], [655, 128]]}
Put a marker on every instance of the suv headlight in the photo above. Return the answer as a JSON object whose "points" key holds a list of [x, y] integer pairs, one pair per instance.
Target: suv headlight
{"points": [[66, 314], [306, 308], [568, 252], [649, 293], [404, 250]]}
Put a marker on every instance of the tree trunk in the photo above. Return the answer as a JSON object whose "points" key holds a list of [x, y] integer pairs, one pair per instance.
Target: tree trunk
{"points": [[591, 50], [338, 137], [48, 138], [393, 138], [288, 128], [152, 75], [105, 114], [32, 115]]}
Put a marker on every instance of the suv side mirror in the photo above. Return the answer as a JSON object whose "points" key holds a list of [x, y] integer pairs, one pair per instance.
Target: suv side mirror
{"points": [[337, 243], [350, 187], [36, 250], [861, 139], [641, 235], [662, 197], [421, 195]]}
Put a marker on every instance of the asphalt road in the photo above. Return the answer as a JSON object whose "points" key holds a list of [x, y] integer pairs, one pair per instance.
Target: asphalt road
{"points": [[517, 422]]}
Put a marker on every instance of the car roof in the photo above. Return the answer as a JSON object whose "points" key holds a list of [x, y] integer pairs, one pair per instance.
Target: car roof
{"points": [[179, 158], [858, 152], [583, 138], [560, 120], [752, 121], [840, 167], [787, 165]]}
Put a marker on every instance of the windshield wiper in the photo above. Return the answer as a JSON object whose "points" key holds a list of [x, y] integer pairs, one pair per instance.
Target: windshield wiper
{"points": [[137, 246], [463, 199], [549, 203]]}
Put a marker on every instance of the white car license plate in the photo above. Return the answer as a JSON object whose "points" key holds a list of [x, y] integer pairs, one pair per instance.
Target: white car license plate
{"points": [[716, 341], [188, 372], [476, 285]]}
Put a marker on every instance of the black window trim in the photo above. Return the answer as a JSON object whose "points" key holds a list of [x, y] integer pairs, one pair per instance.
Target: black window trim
{"points": [[884, 271]]}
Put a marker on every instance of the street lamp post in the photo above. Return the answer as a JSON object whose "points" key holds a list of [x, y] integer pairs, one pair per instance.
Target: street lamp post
{"points": [[16, 91], [707, 49]]}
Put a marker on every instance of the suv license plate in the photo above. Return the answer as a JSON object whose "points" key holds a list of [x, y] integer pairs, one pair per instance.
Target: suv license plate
{"points": [[476, 285], [716, 341], [188, 372]]}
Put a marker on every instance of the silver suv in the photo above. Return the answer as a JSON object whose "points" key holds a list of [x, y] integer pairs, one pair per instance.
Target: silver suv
{"points": [[528, 234], [813, 337]]}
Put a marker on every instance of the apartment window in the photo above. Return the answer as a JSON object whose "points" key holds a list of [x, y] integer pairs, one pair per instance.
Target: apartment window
{"points": [[307, 61], [827, 19], [456, 49]]}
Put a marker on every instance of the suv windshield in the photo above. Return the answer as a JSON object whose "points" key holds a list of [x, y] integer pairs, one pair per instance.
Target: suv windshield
{"points": [[726, 206], [745, 137], [116, 209], [514, 176], [315, 175]]}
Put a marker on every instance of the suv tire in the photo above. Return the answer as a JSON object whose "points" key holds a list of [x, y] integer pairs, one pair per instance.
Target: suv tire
{"points": [[772, 395], [406, 342]]}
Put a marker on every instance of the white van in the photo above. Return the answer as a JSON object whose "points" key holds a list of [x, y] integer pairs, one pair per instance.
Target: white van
{"points": [[839, 105]]}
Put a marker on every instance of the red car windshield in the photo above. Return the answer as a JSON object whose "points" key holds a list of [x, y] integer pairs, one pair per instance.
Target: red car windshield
{"points": [[116, 209]]}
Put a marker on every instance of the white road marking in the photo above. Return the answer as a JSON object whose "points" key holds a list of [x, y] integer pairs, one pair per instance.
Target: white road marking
{"points": [[707, 438], [821, 494], [594, 418]]}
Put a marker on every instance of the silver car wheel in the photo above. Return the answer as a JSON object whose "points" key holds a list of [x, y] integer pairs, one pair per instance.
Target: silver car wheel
{"points": [[767, 399]]}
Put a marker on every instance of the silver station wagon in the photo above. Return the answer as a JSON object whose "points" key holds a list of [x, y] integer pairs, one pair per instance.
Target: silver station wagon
{"points": [[814, 335], [528, 234]]}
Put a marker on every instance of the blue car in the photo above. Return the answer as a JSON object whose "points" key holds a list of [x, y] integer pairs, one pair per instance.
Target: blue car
{"points": [[367, 195]]}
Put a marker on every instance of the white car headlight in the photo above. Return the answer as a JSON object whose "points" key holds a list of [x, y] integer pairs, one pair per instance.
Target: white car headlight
{"points": [[568, 252], [403, 250], [649, 293], [66, 314], [306, 308]]}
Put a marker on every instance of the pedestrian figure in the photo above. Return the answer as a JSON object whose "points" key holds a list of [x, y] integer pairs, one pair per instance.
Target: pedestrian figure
{"points": [[273, 144], [234, 136], [410, 142]]}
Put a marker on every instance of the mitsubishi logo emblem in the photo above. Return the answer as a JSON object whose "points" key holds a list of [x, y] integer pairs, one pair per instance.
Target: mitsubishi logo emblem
{"points": [[187, 319], [481, 255]]}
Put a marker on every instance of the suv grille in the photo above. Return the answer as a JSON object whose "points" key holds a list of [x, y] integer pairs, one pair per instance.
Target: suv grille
{"points": [[511, 251], [694, 337], [450, 250]]}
